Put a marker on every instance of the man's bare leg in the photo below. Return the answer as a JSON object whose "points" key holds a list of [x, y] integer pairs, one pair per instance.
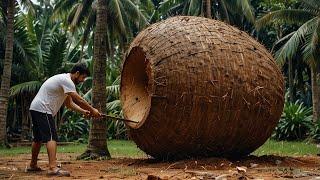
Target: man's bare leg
{"points": [[52, 152], [35, 152]]}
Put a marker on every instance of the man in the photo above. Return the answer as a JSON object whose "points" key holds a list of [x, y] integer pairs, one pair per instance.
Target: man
{"points": [[53, 93]]}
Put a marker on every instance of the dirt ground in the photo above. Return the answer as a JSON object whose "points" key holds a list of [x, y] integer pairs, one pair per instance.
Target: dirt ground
{"points": [[264, 167]]}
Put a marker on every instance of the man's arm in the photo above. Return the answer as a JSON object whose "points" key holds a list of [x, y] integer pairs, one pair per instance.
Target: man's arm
{"points": [[71, 105], [77, 99]]}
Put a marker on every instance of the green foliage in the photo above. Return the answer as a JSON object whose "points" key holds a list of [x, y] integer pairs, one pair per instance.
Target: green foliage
{"points": [[124, 19], [315, 131], [305, 38], [116, 130], [75, 128], [295, 122], [25, 88], [272, 5], [56, 55], [51, 36], [226, 10]]}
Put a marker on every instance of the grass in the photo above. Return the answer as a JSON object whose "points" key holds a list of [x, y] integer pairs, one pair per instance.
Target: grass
{"points": [[117, 148], [120, 148], [285, 148]]}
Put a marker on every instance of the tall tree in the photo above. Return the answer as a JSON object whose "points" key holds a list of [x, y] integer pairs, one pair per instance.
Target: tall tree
{"points": [[305, 40], [115, 22], [206, 5], [125, 19], [6, 74], [97, 146]]}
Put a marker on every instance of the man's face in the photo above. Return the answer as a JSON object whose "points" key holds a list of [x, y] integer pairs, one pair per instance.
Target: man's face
{"points": [[79, 78]]}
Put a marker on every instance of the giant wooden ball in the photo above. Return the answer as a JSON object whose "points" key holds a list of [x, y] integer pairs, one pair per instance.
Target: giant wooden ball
{"points": [[199, 87]]}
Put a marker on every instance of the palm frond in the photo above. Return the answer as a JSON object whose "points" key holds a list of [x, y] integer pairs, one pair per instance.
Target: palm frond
{"points": [[311, 48], [113, 90], [283, 39], [291, 16], [29, 19], [147, 6], [62, 8], [130, 8], [117, 81], [29, 6], [312, 6], [91, 21], [76, 18], [116, 15], [225, 11], [194, 7], [246, 9], [239, 7], [26, 50], [113, 105], [25, 88], [73, 53], [288, 50], [165, 5], [72, 13], [87, 96], [82, 11], [57, 52]]}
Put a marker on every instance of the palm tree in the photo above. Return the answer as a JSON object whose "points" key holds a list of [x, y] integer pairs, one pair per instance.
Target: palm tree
{"points": [[119, 21], [97, 146], [124, 20], [305, 40], [6, 74], [50, 54]]}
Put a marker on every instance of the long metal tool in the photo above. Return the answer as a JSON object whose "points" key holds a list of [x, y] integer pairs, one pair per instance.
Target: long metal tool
{"points": [[118, 119]]}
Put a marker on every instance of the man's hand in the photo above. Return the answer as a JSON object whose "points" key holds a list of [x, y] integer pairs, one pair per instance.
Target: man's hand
{"points": [[86, 113], [95, 113]]}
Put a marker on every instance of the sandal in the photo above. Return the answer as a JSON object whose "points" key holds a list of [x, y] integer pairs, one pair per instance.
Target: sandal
{"points": [[58, 172], [33, 169]]}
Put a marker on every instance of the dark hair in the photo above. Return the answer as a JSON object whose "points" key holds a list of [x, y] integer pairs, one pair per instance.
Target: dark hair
{"points": [[82, 68]]}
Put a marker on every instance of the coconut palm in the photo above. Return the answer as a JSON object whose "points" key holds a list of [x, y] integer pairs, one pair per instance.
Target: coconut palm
{"points": [[52, 52], [7, 8], [304, 40], [124, 20], [97, 146], [6, 74], [115, 21]]}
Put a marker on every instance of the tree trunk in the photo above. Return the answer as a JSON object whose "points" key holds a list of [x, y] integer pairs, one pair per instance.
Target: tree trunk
{"points": [[315, 82], [97, 146], [6, 77], [206, 4], [24, 119], [291, 80]]}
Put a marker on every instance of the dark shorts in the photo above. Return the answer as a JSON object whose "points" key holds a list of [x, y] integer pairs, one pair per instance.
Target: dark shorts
{"points": [[43, 127]]}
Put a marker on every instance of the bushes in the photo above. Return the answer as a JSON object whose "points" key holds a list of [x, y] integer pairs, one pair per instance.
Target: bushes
{"points": [[295, 123], [74, 128], [315, 132]]}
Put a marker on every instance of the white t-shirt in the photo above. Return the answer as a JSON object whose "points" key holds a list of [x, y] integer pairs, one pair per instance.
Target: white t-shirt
{"points": [[52, 94]]}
